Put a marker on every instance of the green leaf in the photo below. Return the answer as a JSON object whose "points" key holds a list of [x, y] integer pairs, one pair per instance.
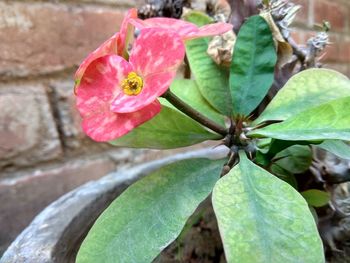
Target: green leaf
{"points": [[252, 67], [187, 90], [327, 121], [295, 159], [277, 146], [338, 148], [263, 219], [211, 78], [304, 90], [284, 175], [198, 18], [315, 197], [167, 130], [150, 214]]}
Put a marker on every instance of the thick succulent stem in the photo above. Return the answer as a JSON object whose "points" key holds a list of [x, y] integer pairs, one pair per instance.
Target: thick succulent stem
{"points": [[194, 114]]}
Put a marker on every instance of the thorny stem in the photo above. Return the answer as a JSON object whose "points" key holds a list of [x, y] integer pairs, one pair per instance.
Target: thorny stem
{"points": [[197, 116]]}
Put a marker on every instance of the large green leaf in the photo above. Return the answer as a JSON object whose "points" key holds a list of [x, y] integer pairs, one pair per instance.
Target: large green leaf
{"points": [[294, 159], [169, 129], [284, 175], [328, 121], [338, 148], [150, 214], [263, 219], [306, 89], [252, 67], [211, 78], [187, 90], [315, 197]]}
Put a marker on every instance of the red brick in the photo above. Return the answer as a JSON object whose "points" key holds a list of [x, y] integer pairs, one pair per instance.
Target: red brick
{"points": [[334, 12], [342, 68], [28, 132], [21, 199], [69, 118], [302, 15], [331, 52], [344, 51], [298, 36], [38, 38]]}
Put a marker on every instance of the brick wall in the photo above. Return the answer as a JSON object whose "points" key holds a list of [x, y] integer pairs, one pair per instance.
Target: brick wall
{"points": [[337, 12], [43, 152]]}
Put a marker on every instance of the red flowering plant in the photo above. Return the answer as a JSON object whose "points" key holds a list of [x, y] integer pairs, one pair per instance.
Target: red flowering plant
{"points": [[128, 94]]}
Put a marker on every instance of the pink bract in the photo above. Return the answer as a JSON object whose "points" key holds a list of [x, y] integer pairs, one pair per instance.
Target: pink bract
{"points": [[107, 111], [95, 94], [186, 30], [155, 57], [113, 45]]}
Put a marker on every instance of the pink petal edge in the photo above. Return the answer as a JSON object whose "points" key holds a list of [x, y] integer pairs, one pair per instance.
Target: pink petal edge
{"points": [[110, 126], [156, 55]]}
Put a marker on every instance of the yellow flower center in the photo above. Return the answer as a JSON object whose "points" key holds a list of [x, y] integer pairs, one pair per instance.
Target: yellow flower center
{"points": [[132, 85]]}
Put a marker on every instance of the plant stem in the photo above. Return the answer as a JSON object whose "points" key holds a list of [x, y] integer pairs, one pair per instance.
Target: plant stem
{"points": [[197, 116]]}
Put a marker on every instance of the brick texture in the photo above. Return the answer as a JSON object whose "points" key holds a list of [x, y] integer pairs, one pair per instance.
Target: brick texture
{"points": [[43, 38], [43, 152], [27, 129], [310, 18]]}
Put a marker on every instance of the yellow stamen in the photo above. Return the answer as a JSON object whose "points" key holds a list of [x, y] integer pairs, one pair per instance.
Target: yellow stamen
{"points": [[132, 85]]}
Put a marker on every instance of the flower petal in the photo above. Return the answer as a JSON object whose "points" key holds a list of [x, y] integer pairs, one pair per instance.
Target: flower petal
{"points": [[126, 31], [108, 47], [157, 50], [99, 84], [181, 27], [154, 86], [156, 55], [107, 125], [210, 30]]}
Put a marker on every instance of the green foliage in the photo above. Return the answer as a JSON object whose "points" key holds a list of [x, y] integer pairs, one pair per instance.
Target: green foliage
{"points": [[150, 214], [284, 175], [198, 18], [338, 148], [327, 121], [187, 90], [211, 78], [169, 129], [263, 219], [305, 90], [316, 198], [252, 67], [294, 159]]}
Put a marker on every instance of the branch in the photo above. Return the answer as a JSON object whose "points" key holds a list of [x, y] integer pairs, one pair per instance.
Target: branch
{"points": [[197, 116]]}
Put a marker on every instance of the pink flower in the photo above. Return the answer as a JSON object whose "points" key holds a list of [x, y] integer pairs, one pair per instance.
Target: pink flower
{"points": [[116, 44], [186, 30], [115, 95]]}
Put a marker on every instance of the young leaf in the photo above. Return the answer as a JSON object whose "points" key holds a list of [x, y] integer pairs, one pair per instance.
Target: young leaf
{"points": [[306, 89], [150, 214], [338, 148], [211, 78], [169, 129], [315, 197], [294, 159], [187, 90], [328, 121], [198, 18], [263, 219], [252, 67]]}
